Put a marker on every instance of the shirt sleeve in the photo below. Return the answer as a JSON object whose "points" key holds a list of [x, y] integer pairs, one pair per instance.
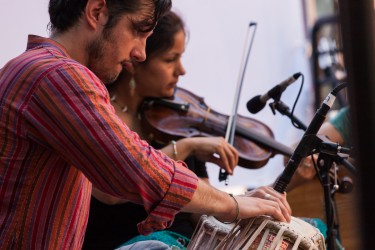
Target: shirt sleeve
{"points": [[71, 115]]}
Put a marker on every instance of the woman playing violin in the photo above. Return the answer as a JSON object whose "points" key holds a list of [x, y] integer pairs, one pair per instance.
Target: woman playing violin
{"points": [[113, 221]]}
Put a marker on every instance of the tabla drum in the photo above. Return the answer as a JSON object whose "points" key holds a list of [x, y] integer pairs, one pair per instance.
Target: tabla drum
{"points": [[263, 233], [208, 233]]}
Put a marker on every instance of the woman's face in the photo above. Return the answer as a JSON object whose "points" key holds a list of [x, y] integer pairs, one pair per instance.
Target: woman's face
{"points": [[159, 76]]}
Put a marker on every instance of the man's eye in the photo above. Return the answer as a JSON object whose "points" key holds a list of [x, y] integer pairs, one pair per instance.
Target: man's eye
{"points": [[143, 27]]}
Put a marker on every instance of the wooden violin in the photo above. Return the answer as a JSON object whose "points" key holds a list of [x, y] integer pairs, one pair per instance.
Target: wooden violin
{"points": [[187, 115]]}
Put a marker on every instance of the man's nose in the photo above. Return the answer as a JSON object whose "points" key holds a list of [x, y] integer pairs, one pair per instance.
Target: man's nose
{"points": [[139, 52]]}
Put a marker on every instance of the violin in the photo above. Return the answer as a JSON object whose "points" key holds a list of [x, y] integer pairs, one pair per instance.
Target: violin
{"points": [[187, 115]]}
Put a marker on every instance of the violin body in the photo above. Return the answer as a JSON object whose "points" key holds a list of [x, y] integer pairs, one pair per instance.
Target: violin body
{"points": [[187, 115]]}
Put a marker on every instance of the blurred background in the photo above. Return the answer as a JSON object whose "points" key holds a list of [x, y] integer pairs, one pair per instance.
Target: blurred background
{"points": [[289, 36], [282, 45]]}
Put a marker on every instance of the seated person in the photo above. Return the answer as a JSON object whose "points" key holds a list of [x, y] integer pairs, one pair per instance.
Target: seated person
{"points": [[113, 221], [337, 130]]}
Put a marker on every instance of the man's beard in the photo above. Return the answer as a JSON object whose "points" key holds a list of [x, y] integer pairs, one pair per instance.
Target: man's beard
{"points": [[96, 52]]}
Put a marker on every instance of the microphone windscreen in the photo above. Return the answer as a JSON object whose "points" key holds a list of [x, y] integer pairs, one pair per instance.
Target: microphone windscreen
{"points": [[255, 105]]}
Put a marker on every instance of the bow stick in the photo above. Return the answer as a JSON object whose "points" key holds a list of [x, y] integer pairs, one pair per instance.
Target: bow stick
{"points": [[231, 128]]}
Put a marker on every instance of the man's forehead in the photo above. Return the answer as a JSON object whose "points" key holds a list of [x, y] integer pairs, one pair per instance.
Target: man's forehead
{"points": [[143, 19], [146, 9]]}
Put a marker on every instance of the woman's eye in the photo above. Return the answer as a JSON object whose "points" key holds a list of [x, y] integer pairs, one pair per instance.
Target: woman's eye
{"points": [[169, 60]]}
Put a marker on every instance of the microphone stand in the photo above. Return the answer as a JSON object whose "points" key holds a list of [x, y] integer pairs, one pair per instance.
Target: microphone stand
{"points": [[324, 163], [325, 160]]}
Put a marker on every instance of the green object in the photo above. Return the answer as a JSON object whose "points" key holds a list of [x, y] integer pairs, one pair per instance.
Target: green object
{"points": [[174, 240], [341, 121]]}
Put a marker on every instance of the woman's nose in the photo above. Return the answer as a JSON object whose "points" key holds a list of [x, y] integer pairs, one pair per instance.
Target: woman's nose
{"points": [[180, 69]]}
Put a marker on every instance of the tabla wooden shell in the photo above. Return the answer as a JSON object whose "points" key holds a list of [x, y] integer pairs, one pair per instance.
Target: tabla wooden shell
{"points": [[209, 233], [260, 233]]}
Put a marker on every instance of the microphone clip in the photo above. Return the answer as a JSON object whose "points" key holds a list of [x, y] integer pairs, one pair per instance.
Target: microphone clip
{"points": [[279, 106], [332, 148]]}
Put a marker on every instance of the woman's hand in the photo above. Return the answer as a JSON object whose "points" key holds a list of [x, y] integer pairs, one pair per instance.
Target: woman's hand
{"points": [[210, 149]]}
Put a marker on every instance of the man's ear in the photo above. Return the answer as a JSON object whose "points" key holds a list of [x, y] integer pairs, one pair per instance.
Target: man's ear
{"points": [[96, 13]]}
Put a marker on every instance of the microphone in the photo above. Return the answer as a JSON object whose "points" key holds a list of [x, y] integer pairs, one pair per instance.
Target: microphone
{"points": [[258, 102], [307, 143]]}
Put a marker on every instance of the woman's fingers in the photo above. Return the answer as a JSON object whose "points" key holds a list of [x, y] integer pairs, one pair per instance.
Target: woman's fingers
{"points": [[228, 155], [217, 151], [232, 151]]}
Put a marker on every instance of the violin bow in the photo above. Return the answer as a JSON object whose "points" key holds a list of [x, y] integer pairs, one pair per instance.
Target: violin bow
{"points": [[231, 128]]}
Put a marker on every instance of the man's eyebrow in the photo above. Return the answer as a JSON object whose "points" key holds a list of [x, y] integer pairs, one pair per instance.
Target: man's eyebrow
{"points": [[144, 25]]}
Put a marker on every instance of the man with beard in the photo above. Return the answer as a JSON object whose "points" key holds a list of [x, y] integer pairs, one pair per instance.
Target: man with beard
{"points": [[60, 134]]}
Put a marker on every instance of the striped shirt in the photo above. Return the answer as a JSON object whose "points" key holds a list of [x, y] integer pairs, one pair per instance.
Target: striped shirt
{"points": [[55, 113]]}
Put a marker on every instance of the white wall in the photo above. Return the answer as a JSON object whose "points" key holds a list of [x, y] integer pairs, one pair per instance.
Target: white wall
{"points": [[212, 60], [213, 56], [17, 19]]}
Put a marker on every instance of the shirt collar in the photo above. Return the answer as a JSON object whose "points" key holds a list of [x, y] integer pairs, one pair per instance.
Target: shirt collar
{"points": [[34, 41]]}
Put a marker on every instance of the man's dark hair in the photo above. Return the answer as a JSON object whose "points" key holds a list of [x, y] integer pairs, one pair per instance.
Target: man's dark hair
{"points": [[64, 14], [162, 39]]}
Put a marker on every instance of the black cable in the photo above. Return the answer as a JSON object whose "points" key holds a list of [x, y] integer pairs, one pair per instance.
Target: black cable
{"points": [[295, 102]]}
